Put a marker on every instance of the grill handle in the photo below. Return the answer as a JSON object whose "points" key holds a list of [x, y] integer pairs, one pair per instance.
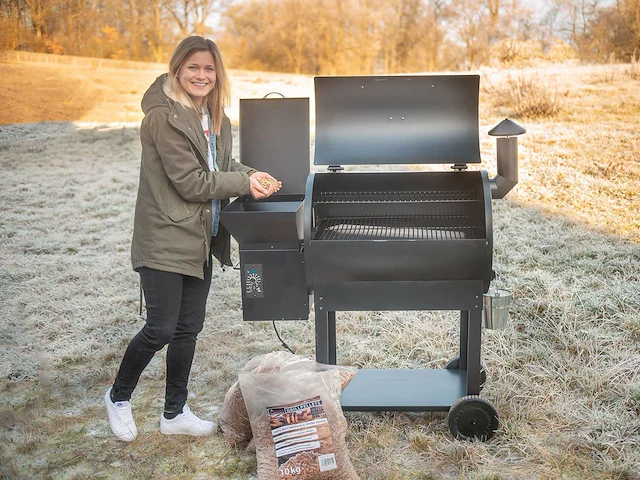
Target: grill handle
{"points": [[507, 157]]}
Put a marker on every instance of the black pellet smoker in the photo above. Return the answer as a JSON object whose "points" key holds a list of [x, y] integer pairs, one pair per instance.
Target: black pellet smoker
{"points": [[377, 240]]}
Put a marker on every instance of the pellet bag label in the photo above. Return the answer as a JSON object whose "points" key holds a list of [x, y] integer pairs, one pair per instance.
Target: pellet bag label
{"points": [[302, 437]]}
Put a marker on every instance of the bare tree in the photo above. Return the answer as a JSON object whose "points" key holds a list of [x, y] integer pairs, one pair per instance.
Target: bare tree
{"points": [[180, 13], [38, 11], [361, 37], [493, 19], [471, 28], [576, 19], [192, 16], [439, 13], [13, 20], [132, 13], [630, 13], [153, 29]]}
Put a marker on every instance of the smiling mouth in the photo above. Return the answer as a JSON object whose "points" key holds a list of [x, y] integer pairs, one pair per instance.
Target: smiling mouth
{"points": [[200, 84]]}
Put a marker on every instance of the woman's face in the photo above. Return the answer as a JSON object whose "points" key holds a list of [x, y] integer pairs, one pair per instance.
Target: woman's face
{"points": [[198, 75]]}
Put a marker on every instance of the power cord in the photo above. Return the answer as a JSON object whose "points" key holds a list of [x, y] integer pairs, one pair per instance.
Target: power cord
{"points": [[280, 338]]}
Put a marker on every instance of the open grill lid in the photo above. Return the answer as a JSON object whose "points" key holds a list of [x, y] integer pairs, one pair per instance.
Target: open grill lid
{"points": [[416, 119], [274, 138]]}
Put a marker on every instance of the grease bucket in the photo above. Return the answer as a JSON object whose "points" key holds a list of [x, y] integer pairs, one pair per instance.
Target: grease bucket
{"points": [[495, 314]]}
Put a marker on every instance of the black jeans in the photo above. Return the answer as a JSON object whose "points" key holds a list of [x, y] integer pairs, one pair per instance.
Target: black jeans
{"points": [[175, 315]]}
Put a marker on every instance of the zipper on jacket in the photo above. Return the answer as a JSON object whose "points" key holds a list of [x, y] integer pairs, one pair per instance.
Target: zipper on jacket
{"points": [[180, 124], [204, 231]]}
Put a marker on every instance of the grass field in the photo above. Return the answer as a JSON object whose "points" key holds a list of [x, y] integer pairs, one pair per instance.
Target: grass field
{"points": [[564, 377]]}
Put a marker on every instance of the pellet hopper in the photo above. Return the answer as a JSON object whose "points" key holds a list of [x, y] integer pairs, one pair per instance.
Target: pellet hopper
{"points": [[371, 239]]}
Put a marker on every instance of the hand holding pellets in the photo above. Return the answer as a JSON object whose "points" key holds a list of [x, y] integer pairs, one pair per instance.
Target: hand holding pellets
{"points": [[268, 182], [263, 185]]}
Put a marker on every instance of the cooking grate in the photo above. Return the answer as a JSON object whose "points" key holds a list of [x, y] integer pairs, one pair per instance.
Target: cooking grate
{"points": [[404, 196], [418, 227]]}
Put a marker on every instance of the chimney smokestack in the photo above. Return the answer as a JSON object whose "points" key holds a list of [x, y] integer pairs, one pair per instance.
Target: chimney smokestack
{"points": [[507, 157]]}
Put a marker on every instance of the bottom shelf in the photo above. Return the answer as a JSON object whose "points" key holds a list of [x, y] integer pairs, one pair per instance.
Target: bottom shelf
{"points": [[404, 390]]}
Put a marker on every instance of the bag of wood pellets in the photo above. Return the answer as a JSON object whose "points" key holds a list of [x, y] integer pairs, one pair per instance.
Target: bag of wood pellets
{"points": [[297, 421], [234, 419]]}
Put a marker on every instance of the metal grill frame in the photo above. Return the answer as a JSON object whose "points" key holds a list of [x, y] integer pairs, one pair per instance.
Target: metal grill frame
{"points": [[417, 266]]}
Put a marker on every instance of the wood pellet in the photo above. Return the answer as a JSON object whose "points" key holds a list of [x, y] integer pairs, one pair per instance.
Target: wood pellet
{"points": [[267, 183]]}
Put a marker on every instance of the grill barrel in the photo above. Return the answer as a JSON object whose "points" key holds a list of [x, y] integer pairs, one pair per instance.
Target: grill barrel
{"points": [[414, 227]]}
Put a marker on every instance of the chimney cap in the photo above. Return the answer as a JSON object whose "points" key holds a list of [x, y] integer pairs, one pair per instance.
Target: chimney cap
{"points": [[507, 128]]}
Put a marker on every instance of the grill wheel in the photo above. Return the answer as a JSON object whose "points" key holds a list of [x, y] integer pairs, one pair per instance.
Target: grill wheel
{"points": [[472, 418]]}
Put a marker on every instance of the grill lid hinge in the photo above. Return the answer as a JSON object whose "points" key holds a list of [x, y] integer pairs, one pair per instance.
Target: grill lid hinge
{"points": [[459, 167]]}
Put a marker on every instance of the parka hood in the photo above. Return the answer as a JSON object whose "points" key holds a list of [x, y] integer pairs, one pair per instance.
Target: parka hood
{"points": [[159, 94]]}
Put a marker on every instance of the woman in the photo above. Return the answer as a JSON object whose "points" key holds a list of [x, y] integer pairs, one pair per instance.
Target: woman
{"points": [[186, 177]]}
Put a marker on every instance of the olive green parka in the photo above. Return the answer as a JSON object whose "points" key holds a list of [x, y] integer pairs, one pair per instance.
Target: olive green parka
{"points": [[172, 225]]}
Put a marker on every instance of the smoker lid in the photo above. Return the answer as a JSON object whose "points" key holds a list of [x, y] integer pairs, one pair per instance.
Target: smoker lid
{"points": [[274, 138], [404, 119]]}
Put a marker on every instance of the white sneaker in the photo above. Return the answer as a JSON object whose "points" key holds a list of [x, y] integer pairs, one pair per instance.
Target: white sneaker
{"points": [[187, 424], [120, 418]]}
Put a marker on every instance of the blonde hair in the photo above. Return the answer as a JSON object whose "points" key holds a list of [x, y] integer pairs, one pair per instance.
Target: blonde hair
{"points": [[220, 96]]}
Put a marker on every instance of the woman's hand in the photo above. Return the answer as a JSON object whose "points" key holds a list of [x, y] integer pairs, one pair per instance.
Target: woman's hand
{"points": [[263, 185]]}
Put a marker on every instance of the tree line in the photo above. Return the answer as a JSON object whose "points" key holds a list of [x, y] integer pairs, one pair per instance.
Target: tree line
{"points": [[144, 30], [332, 37]]}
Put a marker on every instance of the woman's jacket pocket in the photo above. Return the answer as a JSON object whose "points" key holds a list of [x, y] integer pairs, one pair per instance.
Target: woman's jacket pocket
{"points": [[179, 209]]}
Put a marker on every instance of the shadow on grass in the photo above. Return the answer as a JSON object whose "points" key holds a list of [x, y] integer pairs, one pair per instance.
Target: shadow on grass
{"points": [[39, 92]]}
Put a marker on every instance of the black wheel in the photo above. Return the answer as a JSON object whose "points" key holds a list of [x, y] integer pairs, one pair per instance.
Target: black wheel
{"points": [[454, 364], [472, 418]]}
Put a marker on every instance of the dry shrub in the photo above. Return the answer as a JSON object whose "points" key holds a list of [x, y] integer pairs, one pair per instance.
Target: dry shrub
{"points": [[527, 97], [515, 53], [611, 73], [54, 47], [561, 52], [615, 71], [633, 72]]}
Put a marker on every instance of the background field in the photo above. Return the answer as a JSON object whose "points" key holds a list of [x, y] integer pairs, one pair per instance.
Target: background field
{"points": [[564, 377]]}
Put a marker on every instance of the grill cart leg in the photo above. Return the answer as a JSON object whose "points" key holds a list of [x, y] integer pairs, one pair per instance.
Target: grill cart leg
{"points": [[460, 362], [474, 339], [325, 336], [464, 336], [454, 364]]}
